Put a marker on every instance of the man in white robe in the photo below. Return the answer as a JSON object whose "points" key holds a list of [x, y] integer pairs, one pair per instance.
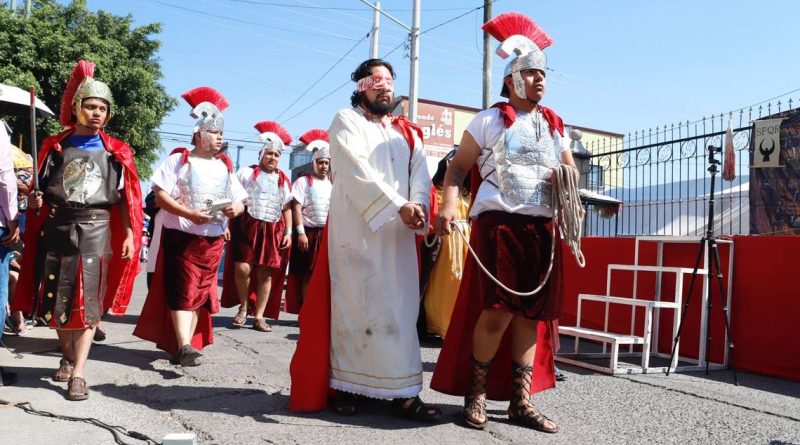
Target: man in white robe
{"points": [[380, 197]]}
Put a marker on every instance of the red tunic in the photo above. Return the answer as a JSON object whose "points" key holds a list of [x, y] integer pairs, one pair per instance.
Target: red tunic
{"points": [[257, 243], [121, 273], [452, 374]]}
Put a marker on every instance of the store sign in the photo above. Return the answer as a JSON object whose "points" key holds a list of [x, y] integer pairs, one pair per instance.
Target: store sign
{"points": [[767, 147], [437, 129]]}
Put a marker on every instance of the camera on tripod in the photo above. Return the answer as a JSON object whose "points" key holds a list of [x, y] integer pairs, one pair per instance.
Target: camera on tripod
{"points": [[712, 161]]}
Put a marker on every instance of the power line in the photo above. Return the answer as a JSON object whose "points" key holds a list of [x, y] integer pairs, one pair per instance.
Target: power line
{"points": [[322, 77], [265, 36], [284, 21], [232, 19], [330, 8], [337, 88], [456, 18]]}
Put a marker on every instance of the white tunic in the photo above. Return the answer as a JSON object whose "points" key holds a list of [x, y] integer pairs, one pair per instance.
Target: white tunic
{"points": [[212, 171], [486, 128], [305, 195], [373, 260]]}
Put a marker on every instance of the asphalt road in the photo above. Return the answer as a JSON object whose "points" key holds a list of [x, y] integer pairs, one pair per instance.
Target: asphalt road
{"points": [[240, 395]]}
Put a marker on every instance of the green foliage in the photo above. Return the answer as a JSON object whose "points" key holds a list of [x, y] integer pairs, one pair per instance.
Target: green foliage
{"points": [[41, 51]]}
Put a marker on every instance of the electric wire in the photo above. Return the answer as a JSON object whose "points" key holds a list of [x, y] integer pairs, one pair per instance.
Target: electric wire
{"points": [[335, 90], [261, 25], [456, 18], [316, 82], [333, 8]]}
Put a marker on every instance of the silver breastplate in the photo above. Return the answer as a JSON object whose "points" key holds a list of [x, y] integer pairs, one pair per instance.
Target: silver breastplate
{"points": [[266, 197], [524, 158], [202, 192], [83, 178], [316, 205]]}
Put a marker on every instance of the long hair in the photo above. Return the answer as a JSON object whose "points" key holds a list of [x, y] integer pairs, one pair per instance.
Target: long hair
{"points": [[364, 70]]}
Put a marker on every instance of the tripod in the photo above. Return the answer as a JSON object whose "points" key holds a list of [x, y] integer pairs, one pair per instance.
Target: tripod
{"points": [[708, 245]]}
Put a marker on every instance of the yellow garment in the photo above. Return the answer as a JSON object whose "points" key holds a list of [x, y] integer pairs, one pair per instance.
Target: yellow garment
{"points": [[445, 278], [21, 159]]}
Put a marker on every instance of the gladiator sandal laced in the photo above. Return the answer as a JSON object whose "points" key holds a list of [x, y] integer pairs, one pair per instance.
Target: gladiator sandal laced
{"points": [[521, 411], [475, 399]]}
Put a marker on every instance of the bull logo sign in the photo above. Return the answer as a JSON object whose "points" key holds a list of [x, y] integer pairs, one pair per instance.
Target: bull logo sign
{"points": [[767, 147]]}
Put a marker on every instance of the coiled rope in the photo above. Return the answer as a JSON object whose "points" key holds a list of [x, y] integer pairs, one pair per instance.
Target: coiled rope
{"points": [[569, 214]]}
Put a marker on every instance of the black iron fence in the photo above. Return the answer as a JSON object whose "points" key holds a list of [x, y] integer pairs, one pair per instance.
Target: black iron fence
{"points": [[661, 176]]}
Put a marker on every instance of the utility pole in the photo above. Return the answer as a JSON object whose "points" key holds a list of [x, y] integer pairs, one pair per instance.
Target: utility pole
{"points": [[414, 36], [376, 18], [487, 56], [413, 83], [238, 155]]}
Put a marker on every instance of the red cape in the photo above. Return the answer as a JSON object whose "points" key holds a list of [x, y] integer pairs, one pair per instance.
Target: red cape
{"points": [[452, 375], [230, 296], [310, 366], [121, 273]]}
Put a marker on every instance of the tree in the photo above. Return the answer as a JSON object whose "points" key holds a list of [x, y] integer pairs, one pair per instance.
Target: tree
{"points": [[40, 52]]}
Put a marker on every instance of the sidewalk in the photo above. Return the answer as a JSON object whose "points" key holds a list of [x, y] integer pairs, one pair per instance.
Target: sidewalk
{"points": [[241, 396]]}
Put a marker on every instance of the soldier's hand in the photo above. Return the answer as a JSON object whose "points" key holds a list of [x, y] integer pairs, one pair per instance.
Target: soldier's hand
{"points": [[444, 220], [200, 218], [233, 210], [302, 242], [287, 242], [127, 246], [35, 200]]}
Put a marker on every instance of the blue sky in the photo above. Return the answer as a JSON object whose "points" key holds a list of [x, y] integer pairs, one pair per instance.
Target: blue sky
{"points": [[618, 66]]}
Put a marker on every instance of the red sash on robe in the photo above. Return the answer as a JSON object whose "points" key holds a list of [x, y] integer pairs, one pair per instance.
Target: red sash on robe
{"points": [[230, 295], [310, 366], [121, 273], [452, 375]]}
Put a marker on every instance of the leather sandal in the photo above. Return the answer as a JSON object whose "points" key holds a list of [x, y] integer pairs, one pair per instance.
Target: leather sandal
{"points": [[64, 371], [474, 413], [77, 390], [521, 411], [261, 325], [241, 318], [416, 410]]}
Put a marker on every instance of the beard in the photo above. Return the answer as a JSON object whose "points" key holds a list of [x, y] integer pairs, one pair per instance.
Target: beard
{"points": [[377, 108]]}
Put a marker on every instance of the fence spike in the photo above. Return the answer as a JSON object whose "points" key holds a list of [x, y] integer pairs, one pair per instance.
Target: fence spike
{"points": [[790, 103], [779, 106], [759, 110], [769, 108]]}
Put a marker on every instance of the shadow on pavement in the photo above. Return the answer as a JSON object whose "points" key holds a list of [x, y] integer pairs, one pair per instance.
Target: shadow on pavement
{"points": [[240, 402], [378, 414]]}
